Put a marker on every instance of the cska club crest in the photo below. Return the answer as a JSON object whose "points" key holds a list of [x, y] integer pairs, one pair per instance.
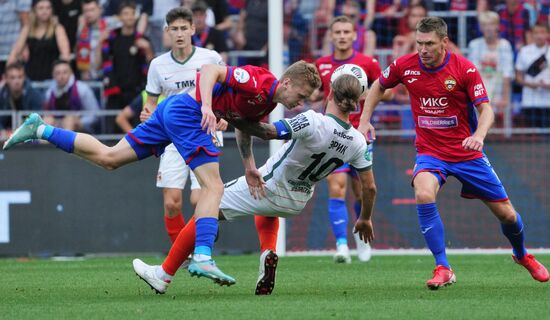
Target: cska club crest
{"points": [[450, 84]]}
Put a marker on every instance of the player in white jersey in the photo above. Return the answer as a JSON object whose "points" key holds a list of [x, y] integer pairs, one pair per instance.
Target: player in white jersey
{"points": [[171, 73], [317, 145]]}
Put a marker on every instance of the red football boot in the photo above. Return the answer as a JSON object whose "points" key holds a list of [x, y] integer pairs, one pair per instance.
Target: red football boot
{"points": [[443, 276], [535, 268]]}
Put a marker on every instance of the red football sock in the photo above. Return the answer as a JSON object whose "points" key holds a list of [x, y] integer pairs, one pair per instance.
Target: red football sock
{"points": [[174, 225], [181, 248], [267, 228]]}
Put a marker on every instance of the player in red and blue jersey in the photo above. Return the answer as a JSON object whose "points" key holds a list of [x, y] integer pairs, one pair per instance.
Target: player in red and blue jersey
{"points": [[445, 90], [343, 33], [187, 120]]}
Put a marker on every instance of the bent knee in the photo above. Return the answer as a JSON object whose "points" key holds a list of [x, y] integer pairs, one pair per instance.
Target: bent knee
{"points": [[424, 196]]}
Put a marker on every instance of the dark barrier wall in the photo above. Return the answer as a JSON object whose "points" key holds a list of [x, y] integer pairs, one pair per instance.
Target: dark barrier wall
{"points": [[63, 205], [52, 203]]}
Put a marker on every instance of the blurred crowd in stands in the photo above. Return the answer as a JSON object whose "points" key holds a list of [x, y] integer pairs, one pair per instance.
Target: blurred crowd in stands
{"points": [[90, 55]]}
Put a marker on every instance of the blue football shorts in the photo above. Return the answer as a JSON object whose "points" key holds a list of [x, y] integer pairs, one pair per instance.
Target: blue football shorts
{"points": [[177, 120], [479, 180]]}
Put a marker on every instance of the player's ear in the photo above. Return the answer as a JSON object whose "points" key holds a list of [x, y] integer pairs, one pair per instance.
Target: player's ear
{"points": [[192, 29], [330, 95]]}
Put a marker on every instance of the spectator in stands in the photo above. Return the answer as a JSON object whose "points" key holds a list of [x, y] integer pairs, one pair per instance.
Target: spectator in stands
{"points": [[128, 118], [252, 30], [514, 23], [68, 12], [205, 36], [216, 13], [405, 43], [366, 39], [157, 22], [45, 39], [68, 94], [14, 14], [91, 27], [533, 73], [494, 58], [126, 55], [17, 94], [144, 9]]}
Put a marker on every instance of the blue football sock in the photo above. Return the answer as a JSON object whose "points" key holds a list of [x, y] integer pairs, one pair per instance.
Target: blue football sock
{"points": [[514, 233], [61, 138], [338, 214], [357, 208], [431, 227], [207, 228]]}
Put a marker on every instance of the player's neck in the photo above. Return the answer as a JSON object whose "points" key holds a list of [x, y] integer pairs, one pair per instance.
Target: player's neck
{"points": [[342, 55], [182, 54], [334, 111]]}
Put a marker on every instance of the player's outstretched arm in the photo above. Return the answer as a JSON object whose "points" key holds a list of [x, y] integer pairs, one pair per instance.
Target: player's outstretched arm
{"points": [[375, 95], [210, 74], [364, 226], [486, 118], [265, 131], [254, 178]]}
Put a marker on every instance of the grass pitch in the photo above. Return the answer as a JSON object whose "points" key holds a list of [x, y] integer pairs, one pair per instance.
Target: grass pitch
{"points": [[387, 287]]}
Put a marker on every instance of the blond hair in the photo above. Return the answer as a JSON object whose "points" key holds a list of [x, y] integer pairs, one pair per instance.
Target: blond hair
{"points": [[302, 72], [489, 17], [33, 23]]}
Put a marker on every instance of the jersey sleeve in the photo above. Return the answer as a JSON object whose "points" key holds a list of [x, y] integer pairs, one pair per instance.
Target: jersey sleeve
{"points": [[362, 160], [249, 79], [475, 89], [390, 77], [153, 86], [217, 58], [301, 126]]}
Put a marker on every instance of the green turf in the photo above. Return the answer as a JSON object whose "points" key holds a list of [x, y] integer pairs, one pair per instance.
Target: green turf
{"points": [[488, 287]]}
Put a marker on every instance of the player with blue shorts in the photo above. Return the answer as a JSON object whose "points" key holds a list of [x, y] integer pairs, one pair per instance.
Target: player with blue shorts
{"points": [[187, 120], [445, 92]]}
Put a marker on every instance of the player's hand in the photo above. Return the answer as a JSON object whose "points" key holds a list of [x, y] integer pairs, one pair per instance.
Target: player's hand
{"points": [[145, 114], [256, 183], [368, 131], [221, 125], [365, 230], [473, 143], [208, 121]]}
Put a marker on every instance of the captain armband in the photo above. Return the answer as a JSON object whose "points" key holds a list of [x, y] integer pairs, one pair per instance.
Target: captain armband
{"points": [[283, 131]]}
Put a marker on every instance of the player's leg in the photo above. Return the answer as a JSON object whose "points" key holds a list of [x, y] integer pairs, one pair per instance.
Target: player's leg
{"points": [[172, 176], [338, 213], [81, 144], [206, 215], [364, 251], [479, 180], [512, 227], [427, 179]]}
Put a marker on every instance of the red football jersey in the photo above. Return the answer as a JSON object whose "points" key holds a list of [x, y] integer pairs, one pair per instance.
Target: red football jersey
{"points": [[326, 65], [442, 103], [247, 91]]}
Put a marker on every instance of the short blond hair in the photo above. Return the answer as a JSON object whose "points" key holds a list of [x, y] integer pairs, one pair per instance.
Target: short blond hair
{"points": [[488, 17], [303, 72]]}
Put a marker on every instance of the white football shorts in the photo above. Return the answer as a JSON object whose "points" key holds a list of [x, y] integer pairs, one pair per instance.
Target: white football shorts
{"points": [[237, 202], [173, 171]]}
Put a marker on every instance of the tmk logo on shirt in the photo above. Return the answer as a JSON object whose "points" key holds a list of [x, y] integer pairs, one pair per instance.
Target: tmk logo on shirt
{"points": [[185, 84]]}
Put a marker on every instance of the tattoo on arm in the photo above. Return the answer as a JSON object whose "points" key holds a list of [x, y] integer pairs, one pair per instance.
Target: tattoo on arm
{"points": [[244, 141], [265, 131]]}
